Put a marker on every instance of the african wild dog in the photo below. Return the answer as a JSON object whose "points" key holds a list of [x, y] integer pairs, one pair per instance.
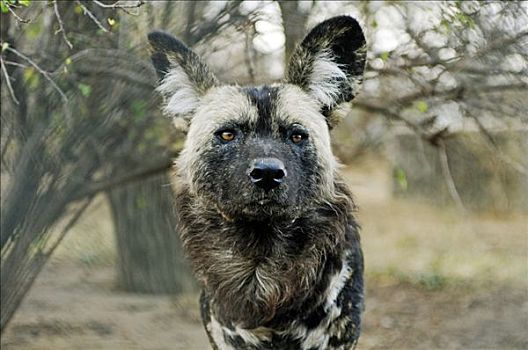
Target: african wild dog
{"points": [[265, 220]]}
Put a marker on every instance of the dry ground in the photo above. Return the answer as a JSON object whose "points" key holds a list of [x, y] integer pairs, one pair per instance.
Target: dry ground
{"points": [[436, 279]]}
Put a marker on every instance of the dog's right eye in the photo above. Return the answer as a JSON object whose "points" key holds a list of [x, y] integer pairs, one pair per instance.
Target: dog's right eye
{"points": [[226, 135]]}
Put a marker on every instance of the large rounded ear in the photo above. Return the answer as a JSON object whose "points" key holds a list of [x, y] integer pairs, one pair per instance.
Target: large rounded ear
{"points": [[184, 77], [329, 63]]}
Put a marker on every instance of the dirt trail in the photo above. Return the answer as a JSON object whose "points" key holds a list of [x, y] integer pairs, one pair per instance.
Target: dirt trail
{"points": [[73, 308]]}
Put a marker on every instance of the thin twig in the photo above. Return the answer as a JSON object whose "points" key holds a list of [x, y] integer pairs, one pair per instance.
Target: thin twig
{"points": [[92, 16], [16, 64], [8, 81], [453, 192], [41, 71], [390, 114], [61, 24], [118, 5], [17, 17]]}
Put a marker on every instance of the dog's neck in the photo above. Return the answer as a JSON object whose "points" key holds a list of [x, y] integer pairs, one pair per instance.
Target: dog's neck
{"points": [[256, 270]]}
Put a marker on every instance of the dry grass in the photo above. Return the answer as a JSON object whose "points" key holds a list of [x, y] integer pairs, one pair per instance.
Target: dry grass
{"points": [[417, 242]]}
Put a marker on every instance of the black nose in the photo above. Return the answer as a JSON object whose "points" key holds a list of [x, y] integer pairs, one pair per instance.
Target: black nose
{"points": [[267, 173]]}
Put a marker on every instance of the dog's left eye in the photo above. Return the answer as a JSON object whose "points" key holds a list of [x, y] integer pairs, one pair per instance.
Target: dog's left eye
{"points": [[297, 134], [298, 137], [226, 135]]}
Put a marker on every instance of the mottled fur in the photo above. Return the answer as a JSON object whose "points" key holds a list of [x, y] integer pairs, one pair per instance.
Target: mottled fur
{"points": [[280, 268]]}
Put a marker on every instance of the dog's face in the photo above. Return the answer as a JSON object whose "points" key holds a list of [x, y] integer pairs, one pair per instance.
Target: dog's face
{"points": [[263, 151]]}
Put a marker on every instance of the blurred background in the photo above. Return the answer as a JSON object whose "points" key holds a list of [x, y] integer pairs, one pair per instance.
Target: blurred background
{"points": [[434, 149]]}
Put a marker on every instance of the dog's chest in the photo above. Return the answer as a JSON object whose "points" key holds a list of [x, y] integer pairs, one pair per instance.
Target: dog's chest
{"points": [[334, 324]]}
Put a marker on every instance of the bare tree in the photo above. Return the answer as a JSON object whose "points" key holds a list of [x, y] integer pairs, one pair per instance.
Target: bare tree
{"points": [[466, 70], [294, 20], [457, 67], [63, 129], [460, 59]]}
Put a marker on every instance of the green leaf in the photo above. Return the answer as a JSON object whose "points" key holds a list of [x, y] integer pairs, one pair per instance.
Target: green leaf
{"points": [[24, 2], [401, 178], [4, 46], [4, 6], [385, 56], [86, 90], [421, 106], [68, 61]]}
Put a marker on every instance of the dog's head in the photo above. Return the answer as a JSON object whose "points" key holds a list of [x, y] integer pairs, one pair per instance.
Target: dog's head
{"points": [[261, 151]]}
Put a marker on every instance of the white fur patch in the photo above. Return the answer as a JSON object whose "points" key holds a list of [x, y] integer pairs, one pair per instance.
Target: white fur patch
{"points": [[217, 333], [336, 284], [252, 337], [318, 337], [325, 79], [179, 94]]}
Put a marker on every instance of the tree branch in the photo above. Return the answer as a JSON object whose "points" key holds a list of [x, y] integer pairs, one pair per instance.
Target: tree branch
{"points": [[105, 185], [119, 5], [17, 17], [453, 192], [61, 24], [41, 71], [92, 16], [249, 51], [8, 81]]}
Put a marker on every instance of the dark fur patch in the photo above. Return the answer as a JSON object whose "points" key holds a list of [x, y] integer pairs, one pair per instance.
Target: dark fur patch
{"points": [[264, 98], [166, 47]]}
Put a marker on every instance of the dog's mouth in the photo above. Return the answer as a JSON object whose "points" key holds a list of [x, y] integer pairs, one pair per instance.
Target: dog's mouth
{"points": [[256, 209], [255, 204]]}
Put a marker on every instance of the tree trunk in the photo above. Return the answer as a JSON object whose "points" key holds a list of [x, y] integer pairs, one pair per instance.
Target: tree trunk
{"points": [[294, 22], [150, 258]]}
